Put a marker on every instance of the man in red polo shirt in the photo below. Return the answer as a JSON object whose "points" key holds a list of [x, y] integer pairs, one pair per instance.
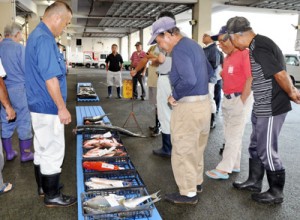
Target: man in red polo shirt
{"points": [[136, 57], [237, 79]]}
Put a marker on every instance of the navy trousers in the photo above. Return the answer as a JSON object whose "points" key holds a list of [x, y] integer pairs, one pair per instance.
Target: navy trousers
{"points": [[264, 140]]}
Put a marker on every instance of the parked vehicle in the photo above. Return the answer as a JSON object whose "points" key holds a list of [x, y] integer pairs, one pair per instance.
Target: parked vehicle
{"points": [[126, 65], [83, 59], [293, 66]]}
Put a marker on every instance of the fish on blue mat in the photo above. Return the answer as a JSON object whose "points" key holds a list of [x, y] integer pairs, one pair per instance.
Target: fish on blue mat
{"points": [[92, 128], [115, 203], [95, 119]]}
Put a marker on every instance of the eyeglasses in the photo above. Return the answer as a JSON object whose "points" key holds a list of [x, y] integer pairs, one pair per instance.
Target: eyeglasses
{"points": [[225, 38]]}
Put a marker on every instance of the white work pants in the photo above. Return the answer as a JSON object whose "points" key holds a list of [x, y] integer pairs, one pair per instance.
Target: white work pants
{"points": [[211, 91], [48, 142], [163, 108], [114, 78], [235, 115]]}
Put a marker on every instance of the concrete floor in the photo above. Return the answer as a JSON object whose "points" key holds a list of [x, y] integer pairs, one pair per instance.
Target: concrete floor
{"points": [[218, 200]]}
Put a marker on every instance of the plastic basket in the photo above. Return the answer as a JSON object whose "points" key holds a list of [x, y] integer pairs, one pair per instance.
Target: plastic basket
{"points": [[125, 175], [137, 213]]}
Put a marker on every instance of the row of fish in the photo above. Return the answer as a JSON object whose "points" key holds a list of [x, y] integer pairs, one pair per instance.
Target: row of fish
{"points": [[116, 203], [103, 183]]}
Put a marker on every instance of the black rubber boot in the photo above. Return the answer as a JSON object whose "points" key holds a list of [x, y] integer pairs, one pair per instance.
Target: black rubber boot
{"points": [[274, 195], [109, 91], [166, 149], [119, 92], [256, 175], [213, 120], [156, 131], [53, 196], [38, 178]]}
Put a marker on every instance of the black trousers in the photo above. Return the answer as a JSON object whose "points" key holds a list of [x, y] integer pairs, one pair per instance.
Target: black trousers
{"points": [[138, 78], [217, 93]]}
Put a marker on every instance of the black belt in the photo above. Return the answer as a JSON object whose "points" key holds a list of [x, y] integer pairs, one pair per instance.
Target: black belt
{"points": [[163, 74], [229, 96]]}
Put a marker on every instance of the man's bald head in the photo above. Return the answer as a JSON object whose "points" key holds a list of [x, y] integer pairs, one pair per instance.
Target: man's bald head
{"points": [[57, 7], [57, 16]]}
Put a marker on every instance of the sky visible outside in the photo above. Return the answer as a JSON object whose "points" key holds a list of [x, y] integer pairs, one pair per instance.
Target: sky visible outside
{"points": [[273, 25]]}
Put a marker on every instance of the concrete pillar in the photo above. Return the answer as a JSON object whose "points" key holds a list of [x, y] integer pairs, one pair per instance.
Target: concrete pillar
{"points": [[7, 14], [202, 14], [297, 44], [120, 44], [129, 46], [141, 33], [33, 21]]}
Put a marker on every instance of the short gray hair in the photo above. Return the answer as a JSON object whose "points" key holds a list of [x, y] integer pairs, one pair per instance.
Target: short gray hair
{"points": [[12, 29]]}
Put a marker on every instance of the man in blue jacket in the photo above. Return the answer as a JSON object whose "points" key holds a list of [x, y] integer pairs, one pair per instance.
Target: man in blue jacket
{"points": [[46, 88], [12, 54]]}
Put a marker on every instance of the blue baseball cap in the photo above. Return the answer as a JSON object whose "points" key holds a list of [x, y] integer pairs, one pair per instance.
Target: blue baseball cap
{"points": [[161, 25], [223, 30]]}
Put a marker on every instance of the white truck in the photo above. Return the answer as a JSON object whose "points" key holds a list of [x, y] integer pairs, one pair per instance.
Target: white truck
{"points": [[85, 59], [82, 59], [293, 66]]}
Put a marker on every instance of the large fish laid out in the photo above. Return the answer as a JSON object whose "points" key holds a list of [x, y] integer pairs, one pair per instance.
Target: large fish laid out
{"points": [[95, 119], [103, 183], [100, 166], [92, 128], [110, 152], [103, 142], [116, 203]]}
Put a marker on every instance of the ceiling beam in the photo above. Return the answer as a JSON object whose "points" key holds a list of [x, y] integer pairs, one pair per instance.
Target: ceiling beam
{"points": [[106, 17]]}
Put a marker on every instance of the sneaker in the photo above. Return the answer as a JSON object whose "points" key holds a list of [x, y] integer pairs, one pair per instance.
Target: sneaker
{"points": [[199, 188], [156, 132], [119, 97], [134, 98], [142, 98], [109, 96], [179, 199], [161, 153]]}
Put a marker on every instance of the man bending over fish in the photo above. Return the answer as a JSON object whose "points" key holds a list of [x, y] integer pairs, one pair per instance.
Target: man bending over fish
{"points": [[46, 89], [190, 118]]}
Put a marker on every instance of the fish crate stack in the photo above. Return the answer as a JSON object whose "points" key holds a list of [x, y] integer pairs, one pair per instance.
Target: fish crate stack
{"points": [[112, 187], [86, 92]]}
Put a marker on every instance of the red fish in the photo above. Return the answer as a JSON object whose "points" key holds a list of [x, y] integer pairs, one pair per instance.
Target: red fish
{"points": [[100, 166]]}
